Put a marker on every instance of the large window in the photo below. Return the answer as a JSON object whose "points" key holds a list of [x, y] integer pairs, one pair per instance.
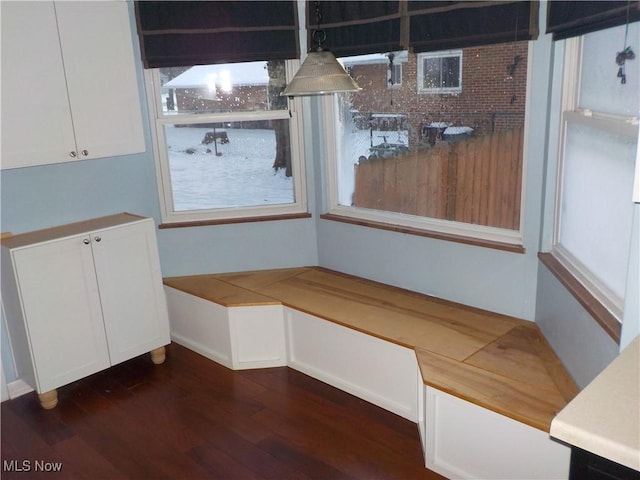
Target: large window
{"points": [[594, 207], [227, 144], [445, 164]]}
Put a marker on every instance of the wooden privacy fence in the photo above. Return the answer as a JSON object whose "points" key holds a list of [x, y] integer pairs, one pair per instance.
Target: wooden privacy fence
{"points": [[477, 181]]}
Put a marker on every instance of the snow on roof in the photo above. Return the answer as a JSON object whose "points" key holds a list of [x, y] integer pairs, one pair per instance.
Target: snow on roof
{"points": [[223, 76], [375, 58]]}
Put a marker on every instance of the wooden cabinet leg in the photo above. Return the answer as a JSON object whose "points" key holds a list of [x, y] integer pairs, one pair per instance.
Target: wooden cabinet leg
{"points": [[158, 355], [49, 399]]}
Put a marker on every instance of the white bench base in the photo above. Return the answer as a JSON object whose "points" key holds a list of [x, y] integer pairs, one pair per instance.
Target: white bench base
{"points": [[459, 438], [463, 440], [236, 337]]}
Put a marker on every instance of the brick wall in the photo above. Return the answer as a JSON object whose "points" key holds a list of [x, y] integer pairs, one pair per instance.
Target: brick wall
{"points": [[491, 100], [240, 99]]}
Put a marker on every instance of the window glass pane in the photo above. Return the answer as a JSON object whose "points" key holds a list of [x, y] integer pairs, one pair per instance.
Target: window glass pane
{"points": [[446, 156], [215, 165], [234, 87], [596, 209], [601, 89], [432, 72], [450, 72]]}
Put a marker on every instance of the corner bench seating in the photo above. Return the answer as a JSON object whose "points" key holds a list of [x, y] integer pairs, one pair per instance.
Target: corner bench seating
{"points": [[480, 376]]}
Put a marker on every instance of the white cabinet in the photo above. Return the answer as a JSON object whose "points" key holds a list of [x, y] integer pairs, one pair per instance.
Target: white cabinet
{"points": [[82, 297], [69, 83]]}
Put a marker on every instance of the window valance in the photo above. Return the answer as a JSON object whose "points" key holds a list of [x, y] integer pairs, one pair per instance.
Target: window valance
{"points": [[443, 25], [355, 27], [570, 18], [181, 33]]}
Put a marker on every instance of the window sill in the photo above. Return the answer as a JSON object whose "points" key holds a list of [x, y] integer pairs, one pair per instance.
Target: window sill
{"points": [[226, 221], [591, 304], [425, 233]]}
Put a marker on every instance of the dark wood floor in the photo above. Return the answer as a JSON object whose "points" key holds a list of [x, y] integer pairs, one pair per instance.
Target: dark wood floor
{"points": [[192, 418]]}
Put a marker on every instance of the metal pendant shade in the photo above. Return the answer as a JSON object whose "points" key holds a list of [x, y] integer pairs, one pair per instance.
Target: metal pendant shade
{"points": [[319, 74]]}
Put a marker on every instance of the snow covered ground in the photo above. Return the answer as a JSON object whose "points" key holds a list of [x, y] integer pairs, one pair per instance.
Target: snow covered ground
{"points": [[241, 174]]}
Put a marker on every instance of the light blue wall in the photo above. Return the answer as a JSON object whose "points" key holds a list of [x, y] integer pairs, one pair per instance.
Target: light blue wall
{"points": [[43, 196], [584, 348], [582, 345], [631, 322]]}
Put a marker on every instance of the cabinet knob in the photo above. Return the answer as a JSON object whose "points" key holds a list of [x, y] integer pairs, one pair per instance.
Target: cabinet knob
{"points": [[86, 241], [73, 154], [97, 239], [85, 153]]}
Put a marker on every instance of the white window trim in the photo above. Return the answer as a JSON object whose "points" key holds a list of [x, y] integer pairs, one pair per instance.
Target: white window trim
{"points": [[163, 175], [426, 224], [441, 90], [615, 124]]}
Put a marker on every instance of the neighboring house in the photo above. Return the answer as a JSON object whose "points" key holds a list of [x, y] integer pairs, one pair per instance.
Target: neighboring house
{"points": [[439, 89], [222, 87]]}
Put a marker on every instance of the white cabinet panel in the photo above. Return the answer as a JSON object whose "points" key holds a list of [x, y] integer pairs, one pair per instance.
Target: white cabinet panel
{"points": [[465, 441], [69, 84], [375, 370], [36, 120], [101, 77], [133, 303], [60, 299]]}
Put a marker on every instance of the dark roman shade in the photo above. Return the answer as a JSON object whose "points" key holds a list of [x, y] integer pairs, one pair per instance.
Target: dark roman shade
{"points": [[361, 27], [357, 27], [442, 25], [570, 18], [185, 33]]}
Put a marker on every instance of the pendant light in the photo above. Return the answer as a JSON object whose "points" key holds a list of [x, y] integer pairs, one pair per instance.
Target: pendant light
{"points": [[320, 73]]}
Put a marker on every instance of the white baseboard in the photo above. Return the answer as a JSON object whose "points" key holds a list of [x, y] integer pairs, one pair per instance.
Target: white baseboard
{"points": [[17, 388], [205, 351]]}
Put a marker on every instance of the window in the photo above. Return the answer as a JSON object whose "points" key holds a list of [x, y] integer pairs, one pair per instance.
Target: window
{"points": [[599, 138], [440, 72], [227, 144], [394, 75], [449, 166]]}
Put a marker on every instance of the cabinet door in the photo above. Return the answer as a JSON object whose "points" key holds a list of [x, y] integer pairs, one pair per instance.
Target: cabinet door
{"points": [[130, 283], [101, 77], [36, 120], [61, 305]]}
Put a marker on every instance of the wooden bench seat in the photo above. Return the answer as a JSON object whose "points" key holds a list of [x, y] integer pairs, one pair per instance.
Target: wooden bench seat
{"points": [[495, 361]]}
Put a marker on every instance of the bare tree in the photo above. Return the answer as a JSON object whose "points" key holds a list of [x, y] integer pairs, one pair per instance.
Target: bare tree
{"points": [[276, 69]]}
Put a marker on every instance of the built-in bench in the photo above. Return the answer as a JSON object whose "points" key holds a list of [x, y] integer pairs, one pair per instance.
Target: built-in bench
{"points": [[482, 387]]}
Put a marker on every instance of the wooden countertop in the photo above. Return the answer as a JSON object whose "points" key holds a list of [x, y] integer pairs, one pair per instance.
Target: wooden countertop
{"points": [[499, 362], [68, 230]]}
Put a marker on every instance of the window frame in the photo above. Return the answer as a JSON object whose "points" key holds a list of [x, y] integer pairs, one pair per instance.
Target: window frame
{"points": [[397, 69], [449, 230], [421, 57], [571, 114], [158, 119]]}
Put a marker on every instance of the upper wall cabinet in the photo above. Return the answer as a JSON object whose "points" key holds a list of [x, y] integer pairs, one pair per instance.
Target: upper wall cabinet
{"points": [[69, 84]]}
